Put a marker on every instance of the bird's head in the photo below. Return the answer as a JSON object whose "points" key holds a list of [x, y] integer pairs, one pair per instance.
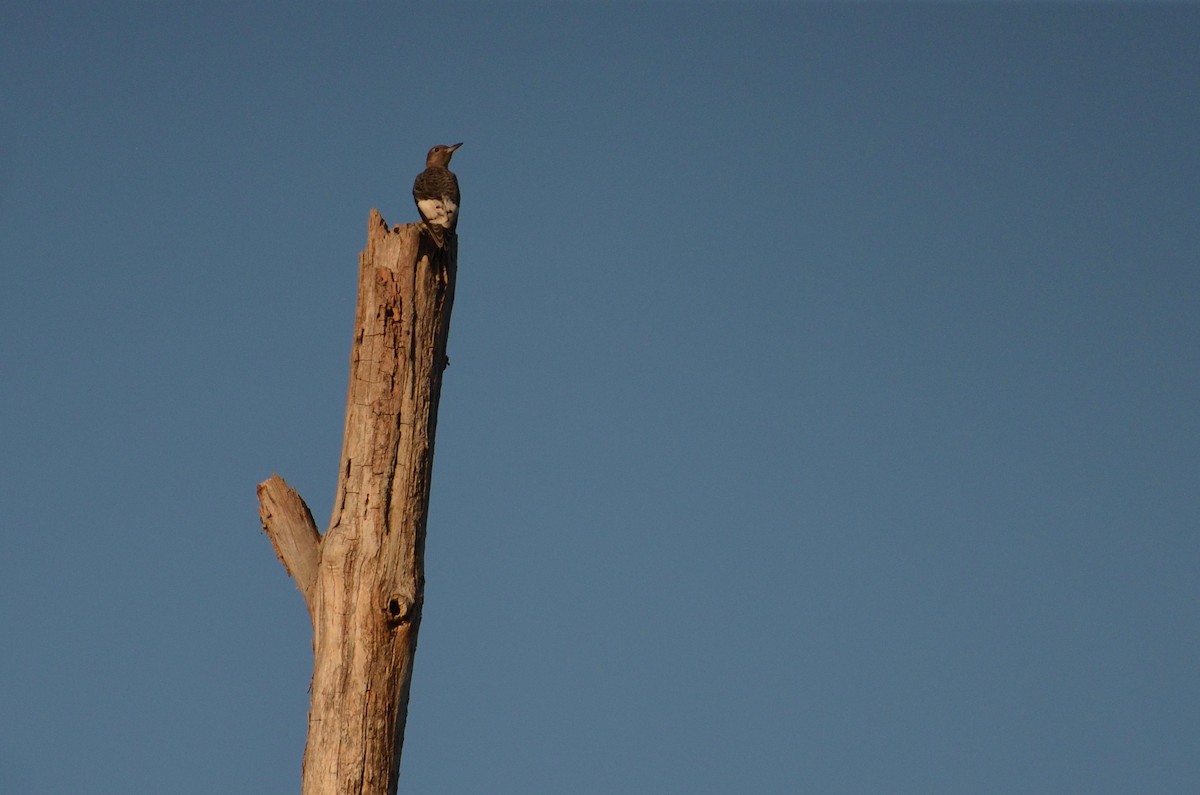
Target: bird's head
{"points": [[440, 155]]}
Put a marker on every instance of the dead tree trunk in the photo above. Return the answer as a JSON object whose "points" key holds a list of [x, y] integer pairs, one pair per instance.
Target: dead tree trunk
{"points": [[363, 580]]}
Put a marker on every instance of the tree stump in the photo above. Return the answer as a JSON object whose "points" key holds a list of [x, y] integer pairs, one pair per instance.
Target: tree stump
{"points": [[363, 580]]}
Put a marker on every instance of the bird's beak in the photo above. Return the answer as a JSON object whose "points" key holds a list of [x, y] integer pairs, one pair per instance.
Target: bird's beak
{"points": [[455, 146]]}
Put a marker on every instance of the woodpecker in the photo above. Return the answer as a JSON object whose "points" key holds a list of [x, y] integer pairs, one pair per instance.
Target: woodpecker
{"points": [[436, 193]]}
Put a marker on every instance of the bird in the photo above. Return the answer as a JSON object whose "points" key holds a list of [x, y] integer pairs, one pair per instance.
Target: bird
{"points": [[435, 191]]}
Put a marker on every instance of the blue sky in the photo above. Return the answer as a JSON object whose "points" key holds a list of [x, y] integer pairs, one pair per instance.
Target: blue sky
{"points": [[822, 415]]}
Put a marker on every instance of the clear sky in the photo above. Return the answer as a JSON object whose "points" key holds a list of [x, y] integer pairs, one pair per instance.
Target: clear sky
{"points": [[823, 414]]}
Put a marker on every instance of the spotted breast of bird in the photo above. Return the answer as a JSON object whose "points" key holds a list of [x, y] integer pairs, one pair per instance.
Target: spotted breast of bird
{"points": [[436, 193]]}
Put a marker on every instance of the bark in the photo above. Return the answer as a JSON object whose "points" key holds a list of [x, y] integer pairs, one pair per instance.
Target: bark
{"points": [[363, 580]]}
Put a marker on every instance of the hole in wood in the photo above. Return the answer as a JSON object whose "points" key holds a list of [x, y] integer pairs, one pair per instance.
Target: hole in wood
{"points": [[397, 610]]}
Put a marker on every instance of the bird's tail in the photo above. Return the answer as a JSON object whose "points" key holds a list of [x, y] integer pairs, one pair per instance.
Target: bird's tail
{"points": [[436, 233]]}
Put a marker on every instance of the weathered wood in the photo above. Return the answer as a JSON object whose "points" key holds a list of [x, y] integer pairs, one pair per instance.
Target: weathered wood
{"points": [[366, 594], [293, 533]]}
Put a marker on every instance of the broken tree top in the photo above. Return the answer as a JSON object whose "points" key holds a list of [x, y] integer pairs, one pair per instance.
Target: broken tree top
{"points": [[436, 193]]}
